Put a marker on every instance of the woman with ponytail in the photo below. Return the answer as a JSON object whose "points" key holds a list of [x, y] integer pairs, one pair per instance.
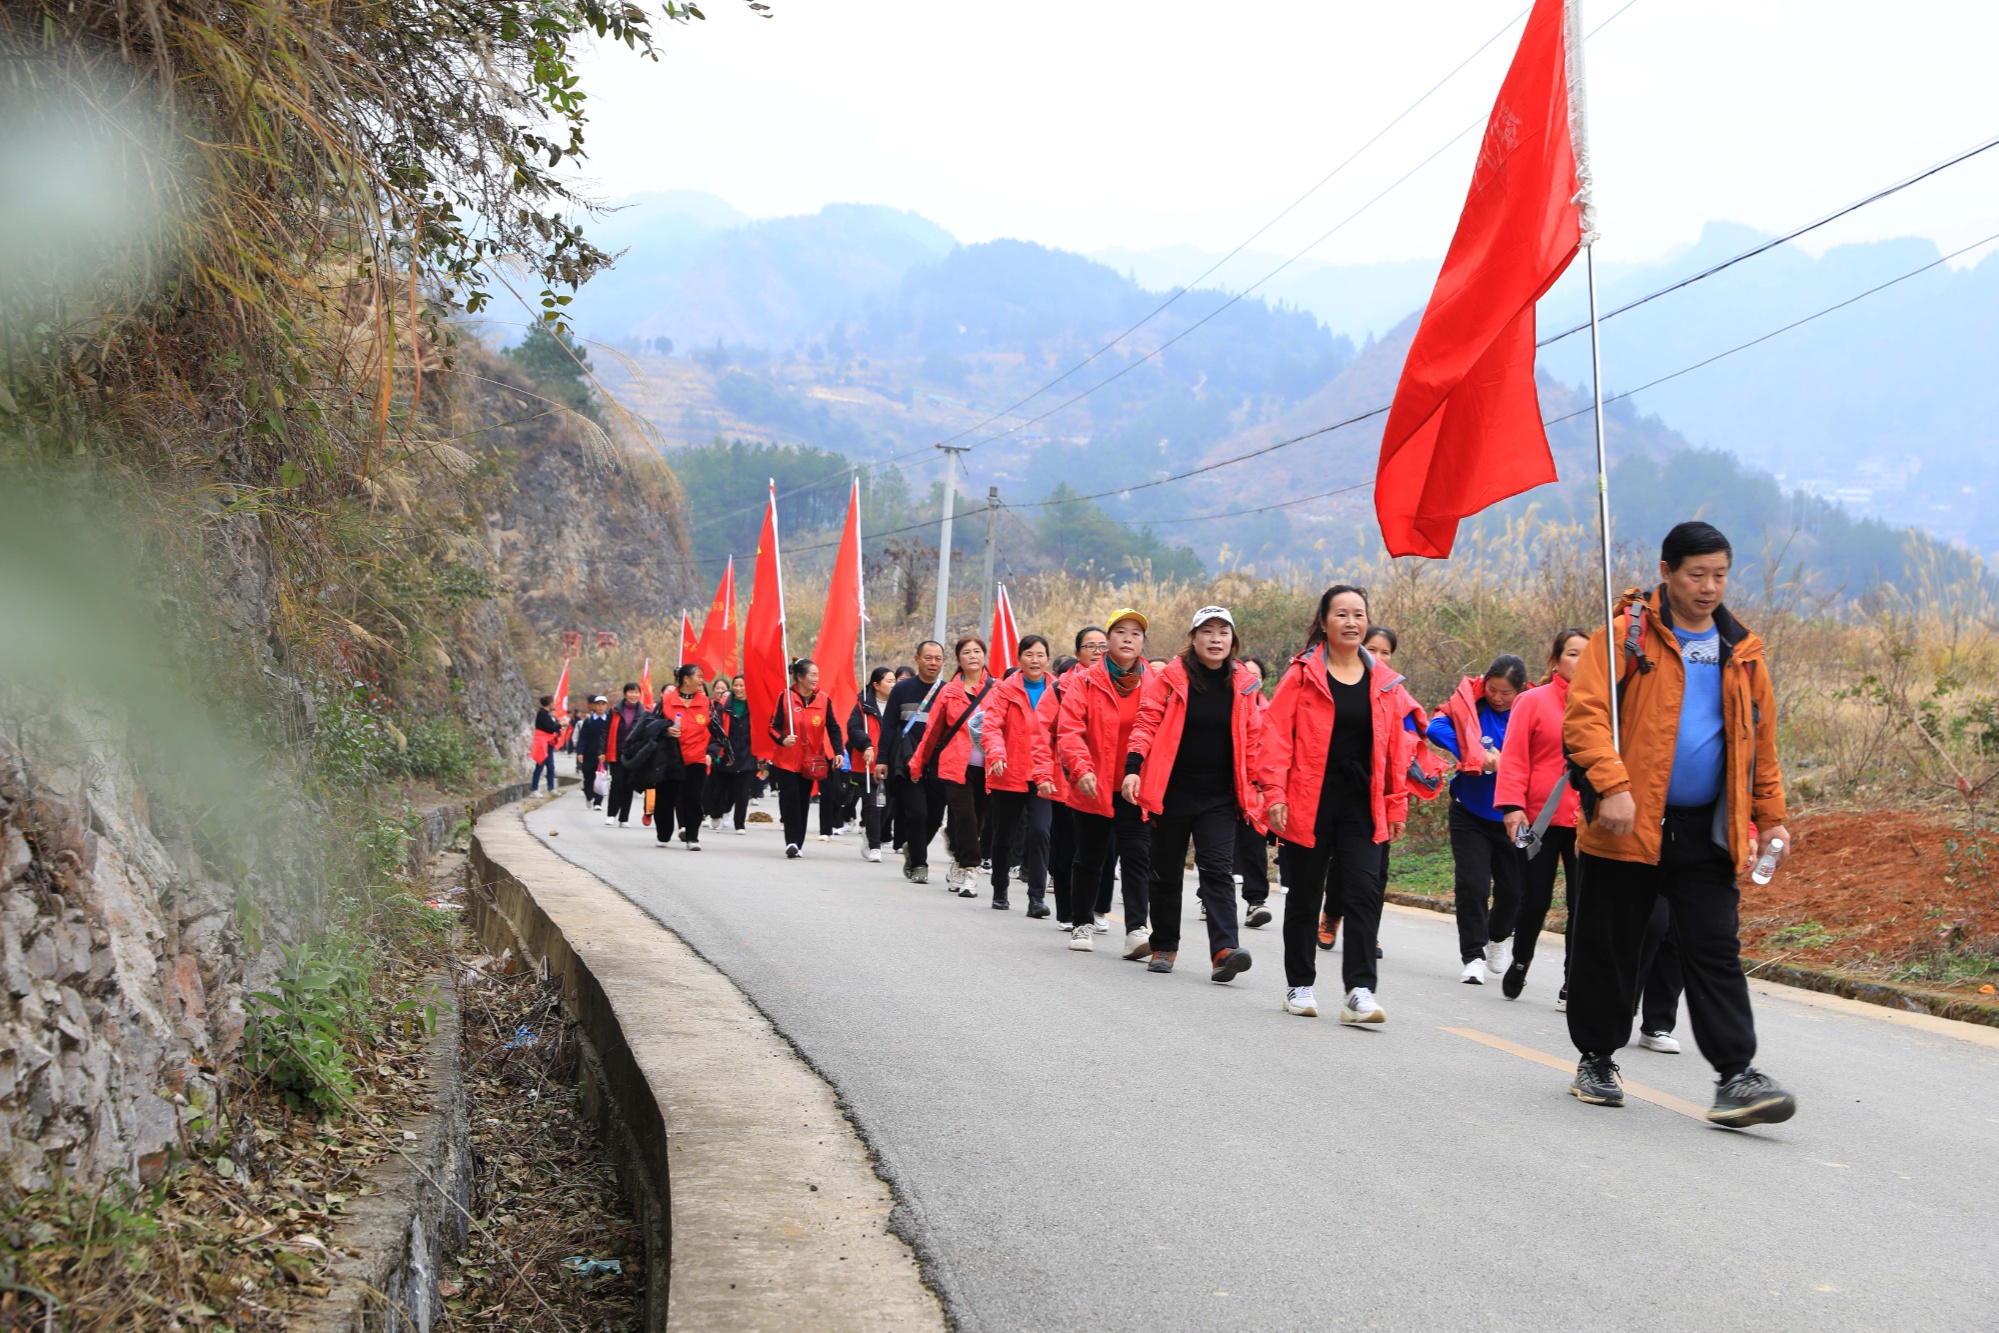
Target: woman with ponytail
{"points": [[1471, 726]]}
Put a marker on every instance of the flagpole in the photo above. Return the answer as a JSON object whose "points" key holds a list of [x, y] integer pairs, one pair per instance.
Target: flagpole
{"points": [[783, 621], [1603, 498], [861, 596]]}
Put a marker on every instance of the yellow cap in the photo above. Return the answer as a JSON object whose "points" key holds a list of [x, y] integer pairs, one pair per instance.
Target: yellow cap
{"points": [[1129, 613]]}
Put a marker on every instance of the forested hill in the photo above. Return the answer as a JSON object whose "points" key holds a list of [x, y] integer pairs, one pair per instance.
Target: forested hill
{"points": [[868, 333]]}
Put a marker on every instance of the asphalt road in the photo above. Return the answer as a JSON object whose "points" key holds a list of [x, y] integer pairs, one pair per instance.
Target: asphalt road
{"points": [[1081, 1144]]}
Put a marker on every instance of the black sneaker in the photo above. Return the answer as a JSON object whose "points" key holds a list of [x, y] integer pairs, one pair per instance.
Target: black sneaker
{"points": [[1751, 1098], [1259, 915], [919, 874], [1036, 910], [1515, 979], [1230, 964], [1002, 905], [1596, 1082], [1161, 962], [791, 851]]}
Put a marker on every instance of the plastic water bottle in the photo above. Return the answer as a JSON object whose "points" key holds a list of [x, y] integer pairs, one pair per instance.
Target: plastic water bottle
{"points": [[1766, 864]]}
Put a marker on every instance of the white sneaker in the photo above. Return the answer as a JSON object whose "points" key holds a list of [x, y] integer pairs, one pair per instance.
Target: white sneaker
{"points": [[1360, 1007], [820, 838], [610, 820], [874, 854], [1102, 923], [952, 876], [1665, 1043], [1300, 1000], [1138, 944], [1079, 939], [693, 846], [1474, 973], [1497, 955]]}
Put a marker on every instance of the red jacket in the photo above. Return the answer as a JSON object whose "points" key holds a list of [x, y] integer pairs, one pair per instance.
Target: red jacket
{"points": [[1016, 731], [1298, 729], [950, 704], [812, 723], [693, 717], [1155, 737], [1462, 709], [1532, 761], [1088, 739], [1432, 763]]}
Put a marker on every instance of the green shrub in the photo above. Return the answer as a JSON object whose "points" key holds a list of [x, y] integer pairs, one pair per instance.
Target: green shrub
{"points": [[297, 1032], [440, 749]]}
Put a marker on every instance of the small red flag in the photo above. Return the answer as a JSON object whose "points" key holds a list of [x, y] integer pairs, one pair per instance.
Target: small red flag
{"points": [[764, 666], [841, 628], [1465, 430], [562, 695], [1003, 648], [716, 648], [645, 682], [686, 653]]}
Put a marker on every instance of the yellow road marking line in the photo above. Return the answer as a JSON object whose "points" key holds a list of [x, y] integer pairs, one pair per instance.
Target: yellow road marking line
{"points": [[1638, 1090]]}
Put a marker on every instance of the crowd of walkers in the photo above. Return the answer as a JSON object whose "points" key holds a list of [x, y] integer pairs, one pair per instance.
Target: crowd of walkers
{"points": [[1078, 772]]}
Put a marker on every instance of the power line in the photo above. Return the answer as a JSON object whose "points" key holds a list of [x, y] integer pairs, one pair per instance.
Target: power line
{"points": [[1288, 209], [1245, 292], [1774, 242]]}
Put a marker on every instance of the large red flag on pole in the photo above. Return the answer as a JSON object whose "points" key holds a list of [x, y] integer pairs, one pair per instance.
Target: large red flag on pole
{"points": [[715, 650], [1465, 430], [645, 681], [839, 631], [1003, 649], [764, 647], [562, 703], [686, 653]]}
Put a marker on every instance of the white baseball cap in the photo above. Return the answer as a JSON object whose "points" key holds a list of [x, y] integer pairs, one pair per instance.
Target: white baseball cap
{"points": [[1207, 613]]}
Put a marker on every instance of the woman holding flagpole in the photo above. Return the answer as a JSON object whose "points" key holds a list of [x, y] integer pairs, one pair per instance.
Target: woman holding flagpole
{"points": [[807, 748], [950, 748]]}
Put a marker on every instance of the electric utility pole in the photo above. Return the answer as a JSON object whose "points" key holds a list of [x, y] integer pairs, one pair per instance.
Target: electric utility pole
{"points": [[986, 597], [944, 545]]}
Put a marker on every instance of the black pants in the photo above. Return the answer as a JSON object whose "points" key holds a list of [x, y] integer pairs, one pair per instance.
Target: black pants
{"points": [[1608, 938], [620, 806], [1340, 871], [1252, 862], [680, 798], [967, 801], [1062, 863], [1027, 815], [1125, 826], [1490, 867], [832, 802], [1659, 964], [1213, 832], [1537, 895], [919, 814], [874, 813], [794, 803], [588, 765]]}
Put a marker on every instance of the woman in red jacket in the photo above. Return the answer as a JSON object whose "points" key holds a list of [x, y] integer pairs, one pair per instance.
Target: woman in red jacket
{"points": [[1099, 707], [1532, 763], [689, 713], [807, 747], [950, 749], [1192, 766], [1018, 736], [1336, 793]]}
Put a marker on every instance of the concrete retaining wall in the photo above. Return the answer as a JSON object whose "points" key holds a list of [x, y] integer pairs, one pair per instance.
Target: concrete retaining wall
{"points": [[758, 1200]]}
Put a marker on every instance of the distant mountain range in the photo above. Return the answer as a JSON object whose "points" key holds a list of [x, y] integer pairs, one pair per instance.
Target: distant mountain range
{"points": [[872, 331]]}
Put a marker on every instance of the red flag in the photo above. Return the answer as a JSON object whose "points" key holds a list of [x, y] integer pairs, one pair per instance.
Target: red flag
{"points": [[645, 682], [841, 628], [1003, 650], [562, 695], [764, 648], [1465, 431], [686, 640], [716, 648]]}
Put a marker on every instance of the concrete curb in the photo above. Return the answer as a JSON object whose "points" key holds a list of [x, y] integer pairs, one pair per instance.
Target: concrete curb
{"points": [[759, 1202], [417, 1221], [1888, 994]]}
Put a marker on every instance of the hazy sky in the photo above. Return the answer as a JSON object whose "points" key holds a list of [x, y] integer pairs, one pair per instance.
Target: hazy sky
{"points": [[1146, 123]]}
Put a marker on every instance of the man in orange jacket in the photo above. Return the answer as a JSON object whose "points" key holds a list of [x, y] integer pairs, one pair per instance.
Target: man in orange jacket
{"points": [[1672, 817]]}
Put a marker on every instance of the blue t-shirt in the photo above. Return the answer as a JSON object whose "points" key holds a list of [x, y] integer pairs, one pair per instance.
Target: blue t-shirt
{"points": [[1034, 689], [1698, 754], [1474, 791]]}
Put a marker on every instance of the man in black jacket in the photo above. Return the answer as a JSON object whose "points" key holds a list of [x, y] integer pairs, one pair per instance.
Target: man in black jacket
{"points": [[919, 801], [590, 746]]}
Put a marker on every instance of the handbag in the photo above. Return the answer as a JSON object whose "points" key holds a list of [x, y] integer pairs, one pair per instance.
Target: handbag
{"points": [[816, 768], [601, 784]]}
